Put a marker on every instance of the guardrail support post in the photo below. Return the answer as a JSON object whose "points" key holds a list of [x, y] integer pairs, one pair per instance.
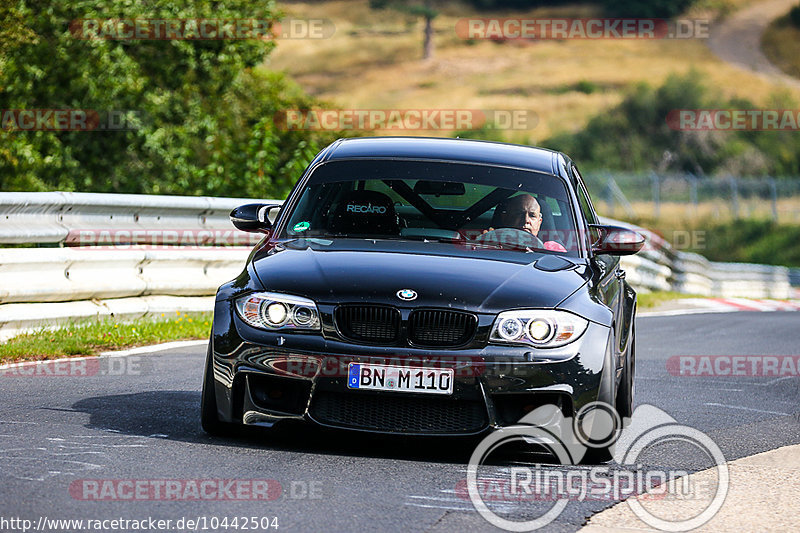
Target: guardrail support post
{"points": [[773, 192], [656, 193], [734, 197], [693, 191]]}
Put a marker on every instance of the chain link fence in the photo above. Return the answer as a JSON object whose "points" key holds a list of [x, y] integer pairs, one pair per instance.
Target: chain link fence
{"points": [[667, 196]]}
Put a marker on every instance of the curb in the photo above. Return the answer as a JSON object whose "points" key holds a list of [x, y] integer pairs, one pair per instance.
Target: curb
{"points": [[754, 503]]}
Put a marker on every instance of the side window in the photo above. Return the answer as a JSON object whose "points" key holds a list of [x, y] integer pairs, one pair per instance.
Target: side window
{"points": [[583, 199]]}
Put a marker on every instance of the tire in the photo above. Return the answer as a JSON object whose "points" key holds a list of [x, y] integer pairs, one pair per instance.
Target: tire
{"points": [[209, 419], [608, 396], [597, 456], [625, 391]]}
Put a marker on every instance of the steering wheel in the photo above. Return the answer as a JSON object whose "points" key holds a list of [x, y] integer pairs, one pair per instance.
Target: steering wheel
{"points": [[511, 236]]}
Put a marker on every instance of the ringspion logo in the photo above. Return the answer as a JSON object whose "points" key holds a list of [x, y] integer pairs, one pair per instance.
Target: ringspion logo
{"points": [[568, 439]]}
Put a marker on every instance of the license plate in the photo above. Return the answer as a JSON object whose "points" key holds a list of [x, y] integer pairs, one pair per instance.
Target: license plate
{"points": [[400, 378]]}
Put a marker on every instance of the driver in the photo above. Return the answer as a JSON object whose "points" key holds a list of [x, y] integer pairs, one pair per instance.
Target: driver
{"points": [[524, 213], [521, 212]]}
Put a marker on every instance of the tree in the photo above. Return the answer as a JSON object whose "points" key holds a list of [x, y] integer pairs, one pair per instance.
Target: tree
{"points": [[646, 8], [636, 135], [424, 10], [794, 16], [197, 113]]}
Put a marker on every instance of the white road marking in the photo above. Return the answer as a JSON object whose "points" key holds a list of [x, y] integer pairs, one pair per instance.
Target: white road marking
{"points": [[748, 409], [774, 381], [155, 348], [434, 498], [465, 508]]}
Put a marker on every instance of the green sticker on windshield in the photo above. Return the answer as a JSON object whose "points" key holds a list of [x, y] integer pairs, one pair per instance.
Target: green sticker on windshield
{"points": [[301, 226]]}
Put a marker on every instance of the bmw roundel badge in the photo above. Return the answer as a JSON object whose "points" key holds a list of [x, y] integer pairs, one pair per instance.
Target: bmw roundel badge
{"points": [[407, 294]]}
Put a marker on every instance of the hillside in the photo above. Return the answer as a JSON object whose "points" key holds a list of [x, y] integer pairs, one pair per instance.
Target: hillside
{"points": [[373, 62]]}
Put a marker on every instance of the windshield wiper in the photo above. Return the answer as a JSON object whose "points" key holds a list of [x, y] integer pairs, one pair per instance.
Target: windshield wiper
{"points": [[430, 238], [502, 246]]}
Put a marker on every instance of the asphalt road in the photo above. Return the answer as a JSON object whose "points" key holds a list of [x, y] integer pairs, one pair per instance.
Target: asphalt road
{"points": [[138, 419]]}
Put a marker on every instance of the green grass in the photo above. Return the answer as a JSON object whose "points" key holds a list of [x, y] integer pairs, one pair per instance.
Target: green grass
{"points": [[93, 337], [647, 300], [739, 241]]}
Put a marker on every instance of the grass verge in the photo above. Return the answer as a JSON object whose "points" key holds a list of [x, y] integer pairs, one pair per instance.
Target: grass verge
{"points": [[648, 300], [93, 337]]}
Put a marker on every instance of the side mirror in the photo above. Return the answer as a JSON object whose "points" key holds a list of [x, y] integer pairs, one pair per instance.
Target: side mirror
{"points": [[253, 217], [615, 240]]}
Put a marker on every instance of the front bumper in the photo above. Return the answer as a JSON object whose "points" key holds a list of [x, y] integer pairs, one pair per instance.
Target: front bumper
{"points": [[263, 378]]}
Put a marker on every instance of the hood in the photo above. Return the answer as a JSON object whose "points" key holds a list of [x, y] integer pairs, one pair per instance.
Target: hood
{"points": [[487, 281]]}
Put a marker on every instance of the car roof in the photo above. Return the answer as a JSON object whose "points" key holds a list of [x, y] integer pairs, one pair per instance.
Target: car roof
{"points": [[444, 149]]}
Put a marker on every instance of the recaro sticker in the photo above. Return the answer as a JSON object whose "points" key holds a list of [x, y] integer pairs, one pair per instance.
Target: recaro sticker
{"points": [[369, 208]]}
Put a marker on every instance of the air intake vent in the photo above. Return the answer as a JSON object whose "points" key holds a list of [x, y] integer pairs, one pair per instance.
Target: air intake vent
{"points": [[439, 328], [368, 323], [398, 413]]}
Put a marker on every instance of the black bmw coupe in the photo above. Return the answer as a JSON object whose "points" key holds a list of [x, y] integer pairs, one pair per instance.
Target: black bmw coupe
{"points": [[424, 286]]}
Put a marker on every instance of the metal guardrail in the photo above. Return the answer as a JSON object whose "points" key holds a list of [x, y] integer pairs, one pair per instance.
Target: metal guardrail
{"points": [[150, 273], [71, 274], [41, 286], [659, 267], [77, 219], [794, 277]]}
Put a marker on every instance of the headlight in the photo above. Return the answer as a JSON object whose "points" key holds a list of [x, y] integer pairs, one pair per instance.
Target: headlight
{"points": [[544, 328], [269, 310]]}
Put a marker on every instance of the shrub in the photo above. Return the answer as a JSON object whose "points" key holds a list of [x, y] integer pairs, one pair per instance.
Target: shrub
{"points": [[794, 16]]}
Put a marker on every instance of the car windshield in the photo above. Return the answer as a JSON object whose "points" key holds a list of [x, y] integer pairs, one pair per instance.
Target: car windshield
{"points": [[480, 206]]}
